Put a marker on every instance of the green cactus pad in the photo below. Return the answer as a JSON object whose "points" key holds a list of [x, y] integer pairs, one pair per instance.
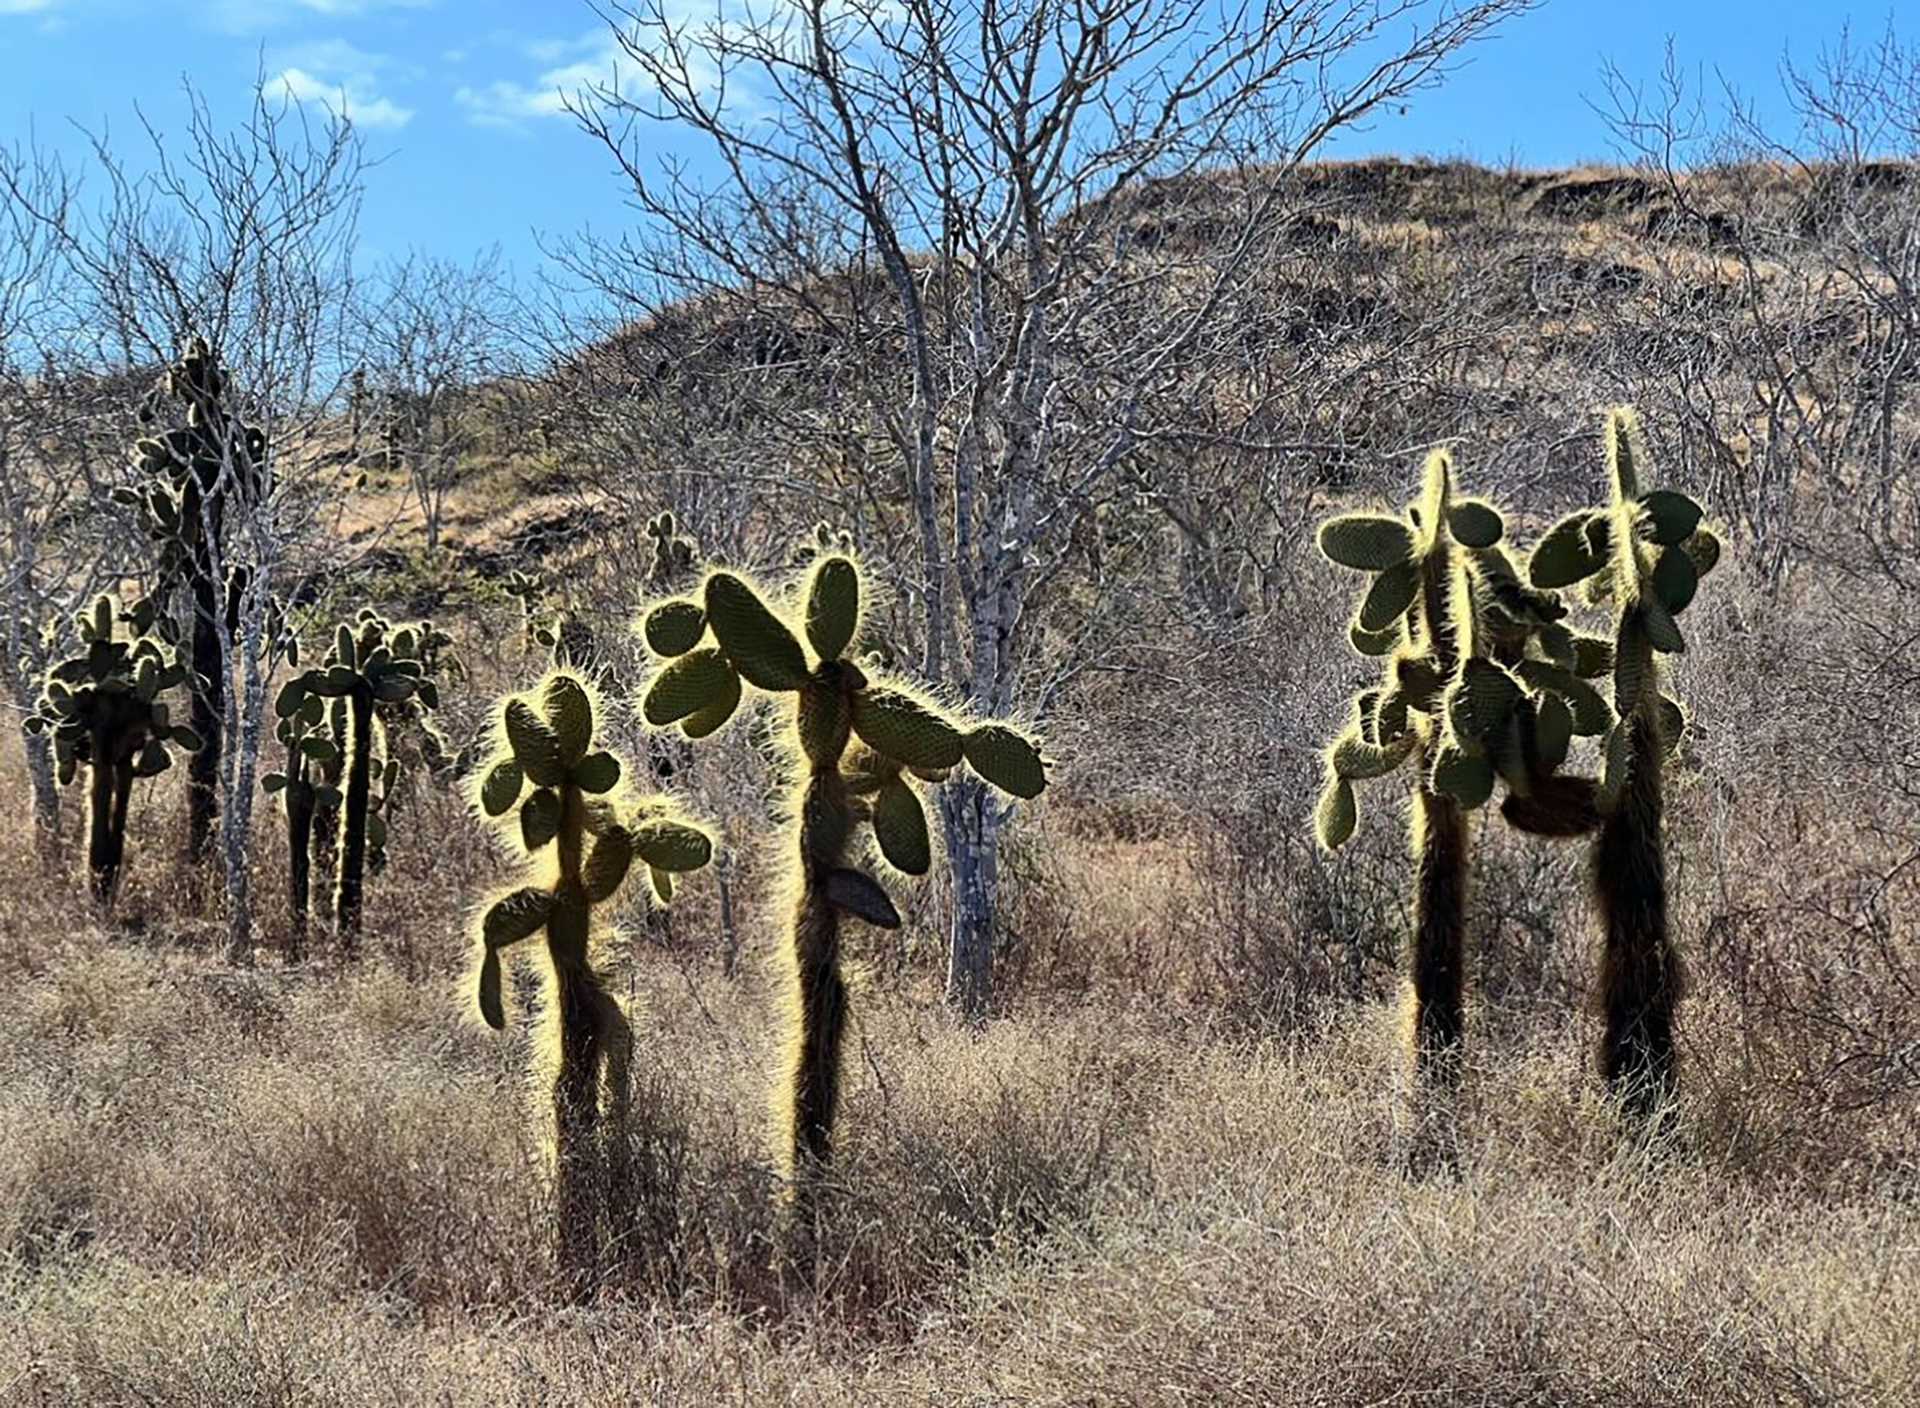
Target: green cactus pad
{"points": [[493, 1009], [1475, 523], [606, 868], [1592, 657], [713, 717], [662, 883], [1704, 548], [570, 715], [1675, 579], [1388, 598], [597, 773], [1590, 713], [1373, 643], [1668, 519], [1336, 814], [1389, 719], [1005, 757], [1555, 806], [1367, 542], [1357, 760], [515, 916], [540, 819], [1552, 731], [694, 682], [501, 789], [833, 606], [1673, 723], [905, 729], [1417, 681], [757, 641], [1490, 696], [1466, 778], [674, 627], [861, 896], [1662, 629], [535, 745], [671, 845], [1565, 554], [900, 826]]}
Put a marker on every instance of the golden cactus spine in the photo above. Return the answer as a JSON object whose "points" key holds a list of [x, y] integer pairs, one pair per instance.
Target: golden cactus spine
{"points": [[1645, 552], [862, 747], [561, 805]]}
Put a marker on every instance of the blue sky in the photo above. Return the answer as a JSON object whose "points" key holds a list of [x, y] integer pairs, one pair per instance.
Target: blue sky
{"points": [[458, 97]]}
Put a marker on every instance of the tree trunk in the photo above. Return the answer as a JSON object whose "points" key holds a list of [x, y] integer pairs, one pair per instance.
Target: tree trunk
{"points": [[973, 820], [206, 714]]}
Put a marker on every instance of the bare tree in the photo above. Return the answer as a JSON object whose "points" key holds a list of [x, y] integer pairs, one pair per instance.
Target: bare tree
{"points": [[433, 332], [951, 205], [242, 237]]}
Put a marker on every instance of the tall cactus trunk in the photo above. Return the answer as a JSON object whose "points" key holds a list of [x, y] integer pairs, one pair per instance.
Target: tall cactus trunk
{"points": [[576, 1109], [1640, 977], [206, 713], [299, 853], [101, 860], [1439, 938], [353, 820], [46, 795], [817, 1008]]}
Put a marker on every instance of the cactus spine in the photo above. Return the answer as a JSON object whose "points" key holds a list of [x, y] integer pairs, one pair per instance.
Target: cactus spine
{"points": [[103, 709], [1645, 552], [861, 746], [551, 792]]}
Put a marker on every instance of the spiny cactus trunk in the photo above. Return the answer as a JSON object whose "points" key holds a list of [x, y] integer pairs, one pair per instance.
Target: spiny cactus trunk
{"points": [[1439, 937], [46, 794], [353, 819], [1640, 978], [576, 1111], [817, 1001], [206, 714], [299, 854], [101, 860]]}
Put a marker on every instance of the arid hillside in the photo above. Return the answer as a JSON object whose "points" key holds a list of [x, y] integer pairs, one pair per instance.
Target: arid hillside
{"points": [[1175, 1163]]}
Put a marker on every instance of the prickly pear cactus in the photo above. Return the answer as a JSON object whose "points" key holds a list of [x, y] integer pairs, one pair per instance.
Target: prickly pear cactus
{"points": [[189, 478], [103, 710], [1643, 554], [306, 783], [864, 747], [562, 806]]}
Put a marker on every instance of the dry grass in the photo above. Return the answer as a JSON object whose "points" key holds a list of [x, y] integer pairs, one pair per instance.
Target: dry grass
{"points": [[319, 1186]]}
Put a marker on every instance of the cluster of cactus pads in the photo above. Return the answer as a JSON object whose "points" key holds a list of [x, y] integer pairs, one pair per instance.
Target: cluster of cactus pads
{"points": [[103, 710], [560, 802], [1484, 683], [862, 747]]}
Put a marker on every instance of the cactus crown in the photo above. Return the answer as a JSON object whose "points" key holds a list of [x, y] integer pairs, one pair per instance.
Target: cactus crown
{"points": [[107, 697], [728, 637], [549, 790], [1645, 552], [1480, 678]]}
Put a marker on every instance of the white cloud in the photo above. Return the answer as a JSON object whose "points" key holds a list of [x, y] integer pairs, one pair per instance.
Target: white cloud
{"points": [[571, 65], [25, 7], [252, 16], [348, 95], [571, 69]]}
